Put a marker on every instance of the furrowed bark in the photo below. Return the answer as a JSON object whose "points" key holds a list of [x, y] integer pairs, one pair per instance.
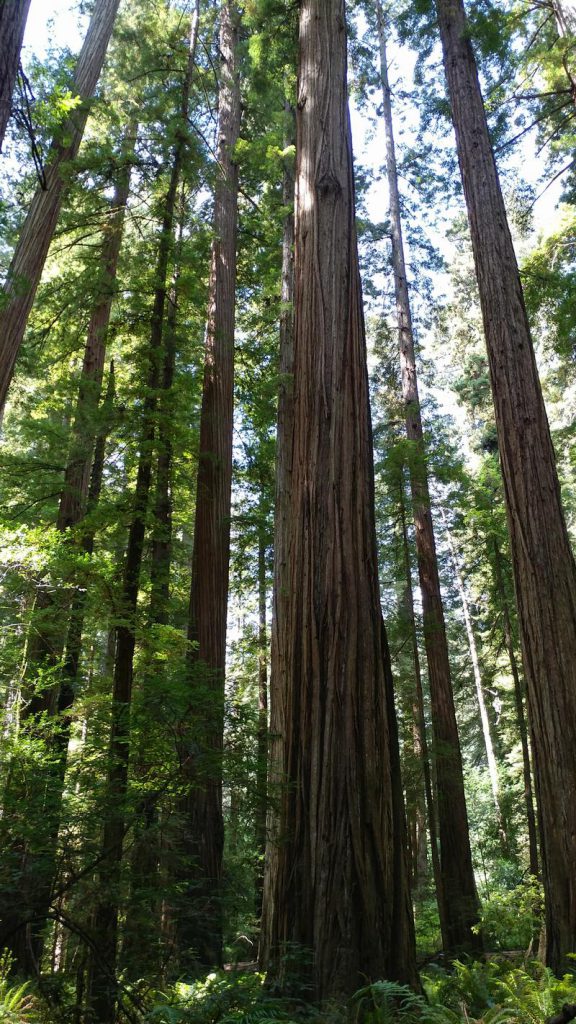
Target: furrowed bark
{"points": [[458, 891], [340, 907], [544, 568], [30, 255]]}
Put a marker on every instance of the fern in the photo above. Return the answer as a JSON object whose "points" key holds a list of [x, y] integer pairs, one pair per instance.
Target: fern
{"points": [[386, 1002]]}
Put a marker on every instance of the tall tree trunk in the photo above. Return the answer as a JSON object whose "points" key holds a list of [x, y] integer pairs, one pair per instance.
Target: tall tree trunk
{"points": [[419, 719], [341, 889], [142, 927], [13, 16], [544, 568], [30, 255], [262, 737], [200, 922], [519, 698], [102, 982], [73, 500], [460, 911], [282, 498], [484, 720]]}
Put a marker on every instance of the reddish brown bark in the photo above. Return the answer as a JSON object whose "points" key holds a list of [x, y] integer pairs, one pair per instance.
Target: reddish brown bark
{"points": [[544, 568], [340, 893]]}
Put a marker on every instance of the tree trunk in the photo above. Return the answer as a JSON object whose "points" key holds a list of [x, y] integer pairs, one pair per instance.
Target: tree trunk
{"points": [[544, 569], [30, 255], [520, 715], [47, 631], [13, 16], [102, 969], [142, 925], [75, 492], [460, 911], [484, 720], [262, 737], [200, 921], [341, 904], [280, 589], [420, 721]]}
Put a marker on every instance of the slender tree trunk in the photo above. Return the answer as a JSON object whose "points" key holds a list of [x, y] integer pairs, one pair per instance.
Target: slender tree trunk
{"points": [[419, 719], [200, 922], [341, 888], [262, 737], [519, 698], [142, 927], [281, 579], [47, 631], [484, 720], [102, 969], [544, 569], [13, 16], [30, 255], [460, 910], [73, 500]]}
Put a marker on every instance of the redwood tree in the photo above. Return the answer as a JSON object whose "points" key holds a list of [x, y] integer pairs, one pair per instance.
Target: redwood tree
{"points": [[544, 568], [340, 891]]}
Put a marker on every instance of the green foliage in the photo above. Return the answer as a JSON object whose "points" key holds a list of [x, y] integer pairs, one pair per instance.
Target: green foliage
{"points": [[386, 1002], [510, 918], [229, 998], [471, 992], [495, 992], [16, 1000]]}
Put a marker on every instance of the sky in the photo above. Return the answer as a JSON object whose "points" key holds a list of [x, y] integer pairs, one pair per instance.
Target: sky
{"points": [[52, 22]]}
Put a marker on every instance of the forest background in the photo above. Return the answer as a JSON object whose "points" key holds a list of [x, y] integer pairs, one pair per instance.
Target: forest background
{"points": [[139, 790]]}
